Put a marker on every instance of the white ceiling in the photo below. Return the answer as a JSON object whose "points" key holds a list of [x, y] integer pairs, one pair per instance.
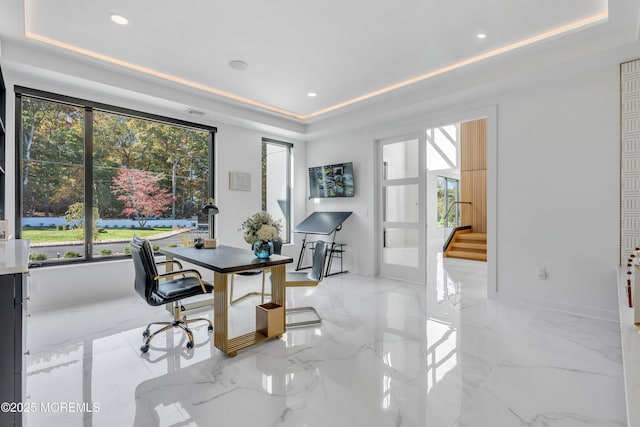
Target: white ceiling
{"points": [[349, 52]]}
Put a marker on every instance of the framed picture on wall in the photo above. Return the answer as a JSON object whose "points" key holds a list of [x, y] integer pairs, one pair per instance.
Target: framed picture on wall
{"points": [[239, 181], [4, 233]]}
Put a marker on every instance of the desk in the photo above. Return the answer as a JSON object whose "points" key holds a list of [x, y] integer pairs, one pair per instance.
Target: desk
{"points": [[225, 260]]}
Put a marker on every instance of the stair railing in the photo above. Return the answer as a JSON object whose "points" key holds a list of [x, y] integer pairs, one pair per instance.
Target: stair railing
{"points": [[456, 227]]}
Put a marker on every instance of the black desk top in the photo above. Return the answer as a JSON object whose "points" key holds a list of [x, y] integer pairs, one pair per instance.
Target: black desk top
{"points": [[225, 259], [322, 222]]}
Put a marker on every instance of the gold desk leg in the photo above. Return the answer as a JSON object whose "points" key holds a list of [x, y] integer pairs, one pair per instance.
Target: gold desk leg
{"points": [[220, 312], [279, 290]]}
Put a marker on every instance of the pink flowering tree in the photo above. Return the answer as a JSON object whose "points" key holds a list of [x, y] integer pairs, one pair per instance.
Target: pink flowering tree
{"points": [[141, 194]]}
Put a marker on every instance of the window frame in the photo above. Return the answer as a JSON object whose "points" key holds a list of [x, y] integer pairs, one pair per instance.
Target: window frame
{"points": [[288, 214], [89, 107], [448, 179]]}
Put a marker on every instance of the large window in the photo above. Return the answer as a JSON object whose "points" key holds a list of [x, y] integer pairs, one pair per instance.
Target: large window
{"points": [[448, 193], [276, 183], [139, 173]]}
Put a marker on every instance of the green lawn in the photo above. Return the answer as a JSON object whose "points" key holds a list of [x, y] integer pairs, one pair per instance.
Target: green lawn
{"points": [[50, 235]]}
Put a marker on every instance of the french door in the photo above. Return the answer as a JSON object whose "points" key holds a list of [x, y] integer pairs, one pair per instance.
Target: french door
{"points": [[401, 227]]}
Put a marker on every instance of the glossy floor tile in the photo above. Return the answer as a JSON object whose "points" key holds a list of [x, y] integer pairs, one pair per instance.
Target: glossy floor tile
{"points": [[388, 353]]}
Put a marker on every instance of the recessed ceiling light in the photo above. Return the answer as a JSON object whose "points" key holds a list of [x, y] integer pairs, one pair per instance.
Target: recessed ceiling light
{"points": [[238, 65], [119, 19], [312, 94], [481, 36]]}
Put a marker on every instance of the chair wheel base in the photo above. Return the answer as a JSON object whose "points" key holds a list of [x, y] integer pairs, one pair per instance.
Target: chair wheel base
{"points": [[144, 348], [146, 333], [210, 328], [190, 344]]}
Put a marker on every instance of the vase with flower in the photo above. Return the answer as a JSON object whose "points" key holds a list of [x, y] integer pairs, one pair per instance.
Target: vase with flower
{"points": [[262, 232]]}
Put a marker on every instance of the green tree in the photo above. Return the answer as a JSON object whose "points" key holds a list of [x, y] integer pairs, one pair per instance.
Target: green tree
{"points": [[75, 216], [53, 150]]}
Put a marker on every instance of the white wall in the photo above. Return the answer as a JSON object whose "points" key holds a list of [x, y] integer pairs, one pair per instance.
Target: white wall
{"points": [[239, 150], [557, 192], [357, 231]]}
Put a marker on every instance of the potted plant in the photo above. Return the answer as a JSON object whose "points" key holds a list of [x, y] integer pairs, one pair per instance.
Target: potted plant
{"points": [[261, 231]]}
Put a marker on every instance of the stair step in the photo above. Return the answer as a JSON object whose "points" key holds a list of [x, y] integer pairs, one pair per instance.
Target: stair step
{"points": [[477, 256], [482, 246], [471, 236]]}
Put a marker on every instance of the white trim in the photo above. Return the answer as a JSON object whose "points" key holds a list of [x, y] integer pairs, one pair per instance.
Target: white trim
{"points": [[409, 273], [489, 112], [576, 310]]}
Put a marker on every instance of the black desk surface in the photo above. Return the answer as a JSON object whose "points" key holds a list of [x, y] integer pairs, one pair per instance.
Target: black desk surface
{"points": [[225, 259], [322, 222]]}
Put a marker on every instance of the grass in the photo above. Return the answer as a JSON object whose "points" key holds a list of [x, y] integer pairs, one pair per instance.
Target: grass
{"points": [[51, 235]]}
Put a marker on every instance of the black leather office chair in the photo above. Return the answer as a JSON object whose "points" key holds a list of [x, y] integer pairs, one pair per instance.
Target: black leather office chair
{"points": [[155, 292], [313, 278]]}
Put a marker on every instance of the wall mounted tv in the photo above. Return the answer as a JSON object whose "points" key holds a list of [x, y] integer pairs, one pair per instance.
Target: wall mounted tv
{"points": [[331, 181]]}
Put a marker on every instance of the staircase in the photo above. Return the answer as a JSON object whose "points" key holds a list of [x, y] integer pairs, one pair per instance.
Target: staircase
{"points": [[466, 244]]}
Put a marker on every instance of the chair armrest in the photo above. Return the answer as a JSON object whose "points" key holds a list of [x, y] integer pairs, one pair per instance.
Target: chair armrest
{"points": [[183, 273], [173, 261]]}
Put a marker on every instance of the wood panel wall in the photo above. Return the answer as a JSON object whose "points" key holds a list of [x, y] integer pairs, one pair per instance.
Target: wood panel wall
{"points": [[473, 174]]}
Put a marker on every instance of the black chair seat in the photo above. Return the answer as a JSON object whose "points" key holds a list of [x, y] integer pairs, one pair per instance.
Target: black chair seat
{"points": [[179, 288], [168, 287]]}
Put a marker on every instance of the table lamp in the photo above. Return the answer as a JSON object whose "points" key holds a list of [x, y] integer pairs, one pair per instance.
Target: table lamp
{"points": [[210, 209]]}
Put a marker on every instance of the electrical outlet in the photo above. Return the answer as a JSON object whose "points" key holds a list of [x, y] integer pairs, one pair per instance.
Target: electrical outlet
{"points": [[542, 273]]}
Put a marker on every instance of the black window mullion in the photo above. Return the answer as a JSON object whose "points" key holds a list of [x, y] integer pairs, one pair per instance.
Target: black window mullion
{"points": [[288, 193], [212, 158], [88, 183], [18, 165]]}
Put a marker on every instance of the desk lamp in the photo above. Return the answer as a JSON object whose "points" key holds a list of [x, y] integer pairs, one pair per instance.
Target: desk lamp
{"points": [[210, 209]]}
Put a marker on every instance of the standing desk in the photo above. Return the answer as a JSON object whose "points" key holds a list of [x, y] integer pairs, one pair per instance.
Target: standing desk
{"points": [[224, 261], [323, 223]]}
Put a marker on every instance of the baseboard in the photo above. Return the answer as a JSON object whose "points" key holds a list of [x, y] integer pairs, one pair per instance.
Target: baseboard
{"points": [[596, 313]]}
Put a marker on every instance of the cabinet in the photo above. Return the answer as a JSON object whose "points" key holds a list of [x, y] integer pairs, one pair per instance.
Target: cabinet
{"points": [[12, 287], [14, 256]]}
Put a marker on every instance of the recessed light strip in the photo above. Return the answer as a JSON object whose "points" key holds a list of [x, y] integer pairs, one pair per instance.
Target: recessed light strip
{"points": [[149, 71], [591, 20], [162, 75], [599, 17]]}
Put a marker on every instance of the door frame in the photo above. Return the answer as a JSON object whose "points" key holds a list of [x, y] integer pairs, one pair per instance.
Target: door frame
{"points": [[411, 274], [489, 112]]}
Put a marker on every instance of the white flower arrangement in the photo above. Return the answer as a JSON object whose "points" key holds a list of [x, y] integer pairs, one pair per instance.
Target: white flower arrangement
{"points": [[260, 226]]}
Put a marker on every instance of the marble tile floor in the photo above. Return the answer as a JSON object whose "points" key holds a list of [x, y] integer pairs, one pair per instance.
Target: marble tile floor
{"points": [[388, 353]]}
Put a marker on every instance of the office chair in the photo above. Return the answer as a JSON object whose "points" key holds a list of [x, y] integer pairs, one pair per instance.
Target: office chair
{"points": [[313, 278], [156, 292]]}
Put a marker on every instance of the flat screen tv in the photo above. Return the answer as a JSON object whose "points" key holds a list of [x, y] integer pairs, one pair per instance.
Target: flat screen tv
{"points": [[331, 181]]}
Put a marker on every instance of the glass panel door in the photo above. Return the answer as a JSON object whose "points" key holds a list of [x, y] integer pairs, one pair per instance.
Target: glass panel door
{"points": [[401, 248]]}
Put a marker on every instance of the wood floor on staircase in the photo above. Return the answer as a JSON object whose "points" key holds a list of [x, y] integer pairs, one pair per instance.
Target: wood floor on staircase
{"points": [[468, 245]]}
